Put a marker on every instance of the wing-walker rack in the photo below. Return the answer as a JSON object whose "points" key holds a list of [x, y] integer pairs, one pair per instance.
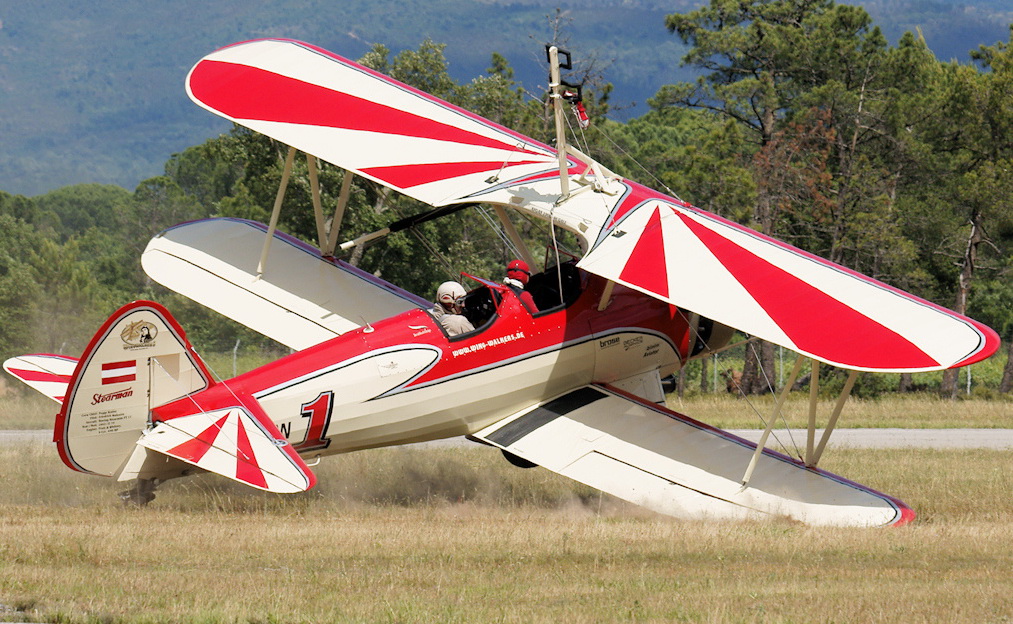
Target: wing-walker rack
{"points": [[813, 451], [561, 91]]}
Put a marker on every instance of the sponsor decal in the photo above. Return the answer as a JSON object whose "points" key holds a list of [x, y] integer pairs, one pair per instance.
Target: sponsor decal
{"points": [[652, 349], [111, 396], [119, 372], [632, 342], [138, 335], [390, 368], [608, 342], [495, 342]]}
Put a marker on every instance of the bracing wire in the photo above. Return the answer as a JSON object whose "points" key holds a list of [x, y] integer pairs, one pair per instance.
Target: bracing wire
{"points": [[508, 244], [190, 395], [750, 343], [639, 165], [780, 414]]}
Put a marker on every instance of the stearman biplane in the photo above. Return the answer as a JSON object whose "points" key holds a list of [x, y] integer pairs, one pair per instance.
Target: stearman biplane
{"points": [[656, 284]]}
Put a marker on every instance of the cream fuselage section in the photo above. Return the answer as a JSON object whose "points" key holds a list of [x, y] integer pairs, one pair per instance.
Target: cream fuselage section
{"points": [[402, 380]]}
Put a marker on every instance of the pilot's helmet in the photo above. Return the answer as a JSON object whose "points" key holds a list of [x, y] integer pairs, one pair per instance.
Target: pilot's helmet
{"points": [[448, 294], [518, 270]]}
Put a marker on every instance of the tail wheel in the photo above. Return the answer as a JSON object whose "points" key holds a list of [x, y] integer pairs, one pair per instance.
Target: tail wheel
{"points": [[142, 493]]}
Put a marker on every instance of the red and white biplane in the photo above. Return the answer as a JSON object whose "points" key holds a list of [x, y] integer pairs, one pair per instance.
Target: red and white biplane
{"points": [[658, 282]]}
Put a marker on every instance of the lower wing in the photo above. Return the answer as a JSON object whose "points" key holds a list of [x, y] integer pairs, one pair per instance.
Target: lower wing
{"points": [[300, 299], [669, 463]]}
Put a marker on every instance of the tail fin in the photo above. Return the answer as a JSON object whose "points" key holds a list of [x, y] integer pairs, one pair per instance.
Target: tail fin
{"points": [[139, 359]]}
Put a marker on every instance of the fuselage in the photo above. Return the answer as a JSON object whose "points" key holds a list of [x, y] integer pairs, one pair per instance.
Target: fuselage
{"points": [[404, 380]]}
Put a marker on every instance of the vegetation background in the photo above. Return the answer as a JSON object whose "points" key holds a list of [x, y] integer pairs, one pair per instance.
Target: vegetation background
{"points": [[92, 92], [879, 136]]}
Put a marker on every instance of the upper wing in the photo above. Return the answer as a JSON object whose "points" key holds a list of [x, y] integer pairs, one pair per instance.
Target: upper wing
{"points": [[300, 300], [440, 154], [49, 374], [766, 288], [361, 120], [674, 465], [238, 442]]}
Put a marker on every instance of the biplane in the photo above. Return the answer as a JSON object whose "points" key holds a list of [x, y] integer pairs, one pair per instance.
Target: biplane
{"points": [[573, 384]]}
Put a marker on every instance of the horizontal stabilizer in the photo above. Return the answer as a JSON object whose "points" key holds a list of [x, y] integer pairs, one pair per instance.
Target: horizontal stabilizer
{"points": [[238, 442], [300, 299], [674, 465], [48, 374]]}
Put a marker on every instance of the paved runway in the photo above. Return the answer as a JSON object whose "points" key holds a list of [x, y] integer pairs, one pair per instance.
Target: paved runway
{"points": [[998, 439]]}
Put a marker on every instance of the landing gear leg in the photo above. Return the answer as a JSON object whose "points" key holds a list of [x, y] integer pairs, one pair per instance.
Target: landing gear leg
{"points": [[142, 493]]}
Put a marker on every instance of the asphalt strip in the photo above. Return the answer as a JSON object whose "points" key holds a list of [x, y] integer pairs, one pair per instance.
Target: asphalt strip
{"points": [[995, 439]]}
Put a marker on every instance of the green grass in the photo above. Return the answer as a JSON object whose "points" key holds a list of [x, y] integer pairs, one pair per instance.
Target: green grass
{"points": [[458, 535], [913, 411]]}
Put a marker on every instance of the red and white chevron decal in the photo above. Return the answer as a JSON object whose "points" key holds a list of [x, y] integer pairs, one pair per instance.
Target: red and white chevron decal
{"points": [[362, 121], [235, 444], [766, 288]]}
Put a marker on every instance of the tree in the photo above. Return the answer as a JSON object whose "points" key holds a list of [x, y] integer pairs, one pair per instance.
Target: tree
{"points": [[969, 154], [79, 207], [827, 103]]}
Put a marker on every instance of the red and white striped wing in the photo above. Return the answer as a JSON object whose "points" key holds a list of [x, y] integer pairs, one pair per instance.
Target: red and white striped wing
{"points": [[233, 443], [361, 120], [48, 374], [769, 289]]}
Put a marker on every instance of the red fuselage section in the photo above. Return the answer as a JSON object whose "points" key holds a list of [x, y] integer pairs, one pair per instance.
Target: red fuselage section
{"points": [[404, 380]]}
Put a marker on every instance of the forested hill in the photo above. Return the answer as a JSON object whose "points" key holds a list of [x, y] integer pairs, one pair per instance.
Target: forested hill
{"points": [[92, 92], [807, 124]]}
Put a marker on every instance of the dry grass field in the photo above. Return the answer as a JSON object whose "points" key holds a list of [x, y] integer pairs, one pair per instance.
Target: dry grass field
{"points": [[459, 535]]}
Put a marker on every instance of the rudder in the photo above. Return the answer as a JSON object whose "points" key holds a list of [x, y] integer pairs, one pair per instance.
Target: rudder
{"points": [[139, 359]]}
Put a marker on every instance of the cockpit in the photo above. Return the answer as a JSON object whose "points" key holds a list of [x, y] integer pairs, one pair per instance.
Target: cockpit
{"points": [[552, 290]]}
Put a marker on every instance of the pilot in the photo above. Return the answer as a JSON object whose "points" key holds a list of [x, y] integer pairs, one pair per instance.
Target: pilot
{"points": [[448, 309], [517, 275]]}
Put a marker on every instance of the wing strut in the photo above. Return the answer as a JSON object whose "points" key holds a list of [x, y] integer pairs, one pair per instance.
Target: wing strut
{"points": [[327, 237], [606, 296], [286, 172], [812, 455], [814, 393], [773, 419], [845, 393], [318, 209], [515, 238], [339, 215]]}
